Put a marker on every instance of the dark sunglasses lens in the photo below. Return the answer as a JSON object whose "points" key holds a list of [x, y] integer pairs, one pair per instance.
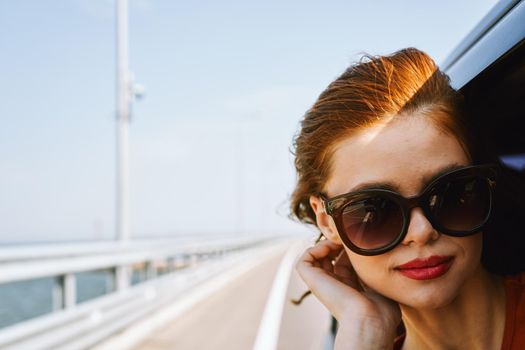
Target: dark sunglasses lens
{"points": [[372, 223], [461, 204]]}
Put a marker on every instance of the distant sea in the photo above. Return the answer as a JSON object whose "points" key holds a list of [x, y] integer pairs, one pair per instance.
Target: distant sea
{"points": [[20, 301], [24, 300]]}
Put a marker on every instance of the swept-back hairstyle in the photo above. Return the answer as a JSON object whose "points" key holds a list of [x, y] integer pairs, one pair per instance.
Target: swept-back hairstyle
{"points": [[373, 91]]}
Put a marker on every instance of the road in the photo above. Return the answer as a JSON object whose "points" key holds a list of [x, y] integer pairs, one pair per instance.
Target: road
{"points": [[231, 317]]}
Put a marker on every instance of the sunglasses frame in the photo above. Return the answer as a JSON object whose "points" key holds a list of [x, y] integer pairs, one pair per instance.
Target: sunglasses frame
{"points": [[335, 206]]}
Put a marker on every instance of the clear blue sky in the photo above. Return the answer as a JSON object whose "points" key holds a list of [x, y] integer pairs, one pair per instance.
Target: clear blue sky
{"points": [[226, 84]]}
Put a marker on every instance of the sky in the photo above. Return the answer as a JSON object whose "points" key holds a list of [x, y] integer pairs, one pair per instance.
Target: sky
{"points": [[226, 84]]}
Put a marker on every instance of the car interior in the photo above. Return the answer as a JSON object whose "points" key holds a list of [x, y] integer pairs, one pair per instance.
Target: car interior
{"points": [[495, 102]]}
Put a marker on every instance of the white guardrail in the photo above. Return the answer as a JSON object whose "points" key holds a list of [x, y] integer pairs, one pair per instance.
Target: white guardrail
{"points": [[80, 326]]}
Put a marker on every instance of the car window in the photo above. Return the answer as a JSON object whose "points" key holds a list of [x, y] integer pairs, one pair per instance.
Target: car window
{"points": [[496, 102]]}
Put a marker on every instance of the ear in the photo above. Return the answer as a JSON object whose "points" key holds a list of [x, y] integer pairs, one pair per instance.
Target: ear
{"points": [[324, 221]]}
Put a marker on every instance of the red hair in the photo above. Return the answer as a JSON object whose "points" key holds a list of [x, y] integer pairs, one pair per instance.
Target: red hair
{"points": [[372, 91]]}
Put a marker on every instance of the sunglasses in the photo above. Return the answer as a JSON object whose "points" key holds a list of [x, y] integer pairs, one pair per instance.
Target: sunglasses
{"points": [[374, 221]]}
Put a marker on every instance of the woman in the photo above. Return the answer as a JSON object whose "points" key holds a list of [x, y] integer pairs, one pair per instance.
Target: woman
{"points": [[389, 173]]}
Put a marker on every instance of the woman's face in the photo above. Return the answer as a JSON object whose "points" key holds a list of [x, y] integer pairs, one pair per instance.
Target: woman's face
{"points": [[404, 154]]}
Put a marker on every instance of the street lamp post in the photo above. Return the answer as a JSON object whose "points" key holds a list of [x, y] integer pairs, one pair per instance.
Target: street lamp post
{"points": [[126, 91], [123, 119], [122, 130]]}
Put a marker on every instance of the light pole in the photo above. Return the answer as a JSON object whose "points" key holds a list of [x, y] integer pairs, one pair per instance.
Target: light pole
{"points": [[122, 273], [126, 91], [123, 119]]}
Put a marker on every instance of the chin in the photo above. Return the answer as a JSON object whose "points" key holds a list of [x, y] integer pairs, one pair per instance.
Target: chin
{"points": [[430, 297], [429, 303]]}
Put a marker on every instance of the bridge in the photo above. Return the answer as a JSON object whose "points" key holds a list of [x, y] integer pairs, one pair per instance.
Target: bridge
{"points": [[204, 293]]}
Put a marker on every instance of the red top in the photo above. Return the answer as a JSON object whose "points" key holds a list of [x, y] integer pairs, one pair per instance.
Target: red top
{"points": [[514, 333]]}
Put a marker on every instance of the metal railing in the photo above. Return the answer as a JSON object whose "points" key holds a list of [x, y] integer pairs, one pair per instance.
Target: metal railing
{"points": [[171, 266]]}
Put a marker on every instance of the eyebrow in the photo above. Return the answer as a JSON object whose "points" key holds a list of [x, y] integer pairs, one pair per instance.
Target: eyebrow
{"points": [[387, 185]]}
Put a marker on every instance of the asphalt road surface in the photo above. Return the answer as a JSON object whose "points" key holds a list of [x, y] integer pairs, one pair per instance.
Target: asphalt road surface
{"points": [[230, 318]]}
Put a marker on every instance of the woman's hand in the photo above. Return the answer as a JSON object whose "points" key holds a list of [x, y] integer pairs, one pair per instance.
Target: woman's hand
{"points": [[367, 320]]}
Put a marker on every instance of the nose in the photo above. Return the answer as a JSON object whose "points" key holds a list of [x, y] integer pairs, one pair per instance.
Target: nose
{"points": [[420, 230]]}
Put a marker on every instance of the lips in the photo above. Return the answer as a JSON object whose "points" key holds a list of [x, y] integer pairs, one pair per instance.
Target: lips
{"points": [[426, 268]]}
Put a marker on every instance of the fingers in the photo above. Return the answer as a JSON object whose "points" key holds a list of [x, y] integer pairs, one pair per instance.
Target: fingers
{"points": [[318, 259], [322, 250], [319, 273], [327, 271]]}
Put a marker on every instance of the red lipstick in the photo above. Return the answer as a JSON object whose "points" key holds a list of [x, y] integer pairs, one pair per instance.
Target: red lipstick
{"points": [[426, 268]]}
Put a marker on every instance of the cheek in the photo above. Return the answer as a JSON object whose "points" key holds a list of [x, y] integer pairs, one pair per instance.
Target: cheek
{"points": [[370, 269], [470, 248]]}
